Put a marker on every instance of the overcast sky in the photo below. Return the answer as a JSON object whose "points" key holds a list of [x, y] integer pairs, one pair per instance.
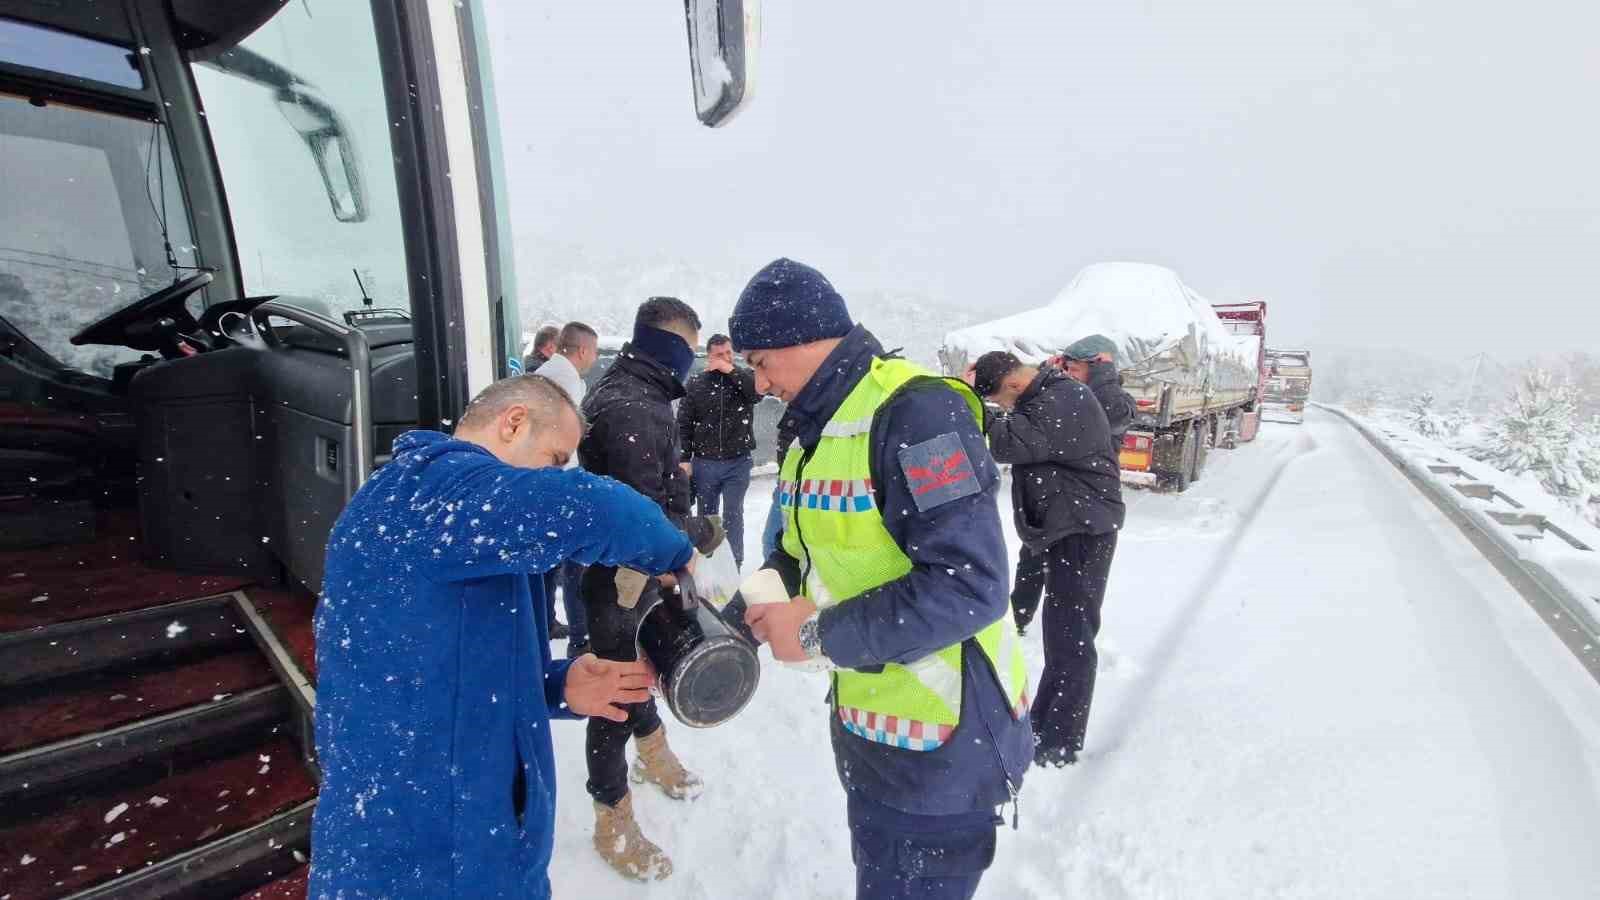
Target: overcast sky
{"points": [[1421, 173]]}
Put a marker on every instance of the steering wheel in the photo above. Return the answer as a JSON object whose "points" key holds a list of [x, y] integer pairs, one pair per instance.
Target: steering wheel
{"points": [[215, 321], [152, 323]]}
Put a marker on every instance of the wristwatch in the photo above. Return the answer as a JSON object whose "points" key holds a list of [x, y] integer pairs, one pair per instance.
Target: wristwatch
{"points": [[811, 637]]}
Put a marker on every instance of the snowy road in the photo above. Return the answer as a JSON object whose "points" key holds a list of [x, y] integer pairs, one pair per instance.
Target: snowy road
{"points": [[1311, 686]]}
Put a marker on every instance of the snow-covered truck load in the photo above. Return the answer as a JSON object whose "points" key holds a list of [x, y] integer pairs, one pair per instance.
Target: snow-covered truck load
{"points": [[1190, 380], [1288, 386]]}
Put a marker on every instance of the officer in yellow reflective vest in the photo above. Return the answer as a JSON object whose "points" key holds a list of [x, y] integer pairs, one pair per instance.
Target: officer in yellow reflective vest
{"points": [[893, 554]]}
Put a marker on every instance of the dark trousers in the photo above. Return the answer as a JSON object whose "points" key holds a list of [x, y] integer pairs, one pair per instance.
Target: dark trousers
{"points": [[613, 634], [568, 577], [905, 857], [720, 484], [1028, 589], [1077, 568]]}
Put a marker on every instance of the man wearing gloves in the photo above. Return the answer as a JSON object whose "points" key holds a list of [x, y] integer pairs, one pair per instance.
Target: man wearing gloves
{"points": [[436, 687], [633, 438], [1090, 361], [1066, 492], [893, 555]]}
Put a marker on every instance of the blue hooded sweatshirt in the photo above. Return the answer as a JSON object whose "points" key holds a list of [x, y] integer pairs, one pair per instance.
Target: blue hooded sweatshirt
{"points": [[436, 687]]}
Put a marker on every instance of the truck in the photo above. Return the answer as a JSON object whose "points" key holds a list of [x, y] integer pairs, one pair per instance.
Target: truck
{"points": [[243, 246], [1247, 322], [1192, 384], [1287, 386]]}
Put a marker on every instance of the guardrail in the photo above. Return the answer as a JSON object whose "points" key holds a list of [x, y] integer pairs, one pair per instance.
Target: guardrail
{"points": [[1501, 533]]}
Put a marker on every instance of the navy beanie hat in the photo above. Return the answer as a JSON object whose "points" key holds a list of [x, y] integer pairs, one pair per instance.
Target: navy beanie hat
{"points": [[787, 304]]}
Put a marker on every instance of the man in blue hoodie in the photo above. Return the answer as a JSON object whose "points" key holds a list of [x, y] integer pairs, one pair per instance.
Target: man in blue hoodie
{"points": [[436, 686], [893, 556]]}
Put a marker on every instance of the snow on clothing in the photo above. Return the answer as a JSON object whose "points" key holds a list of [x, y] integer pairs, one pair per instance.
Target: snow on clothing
{"points": [[956, 586], [632, 437], [901, 857], [1066, 480], [717, 414], [1029, 583], [436, 686]]}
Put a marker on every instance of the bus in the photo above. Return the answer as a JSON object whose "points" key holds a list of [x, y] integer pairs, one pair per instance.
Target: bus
{"points": [[243, 246]]}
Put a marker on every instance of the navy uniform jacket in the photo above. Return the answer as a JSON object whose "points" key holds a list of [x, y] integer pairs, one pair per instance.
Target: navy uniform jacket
{"points": [[959, 583]]}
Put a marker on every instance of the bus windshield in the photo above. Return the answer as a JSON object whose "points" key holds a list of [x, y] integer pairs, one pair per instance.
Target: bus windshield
{"points": [[298, 118], [96, 245]]}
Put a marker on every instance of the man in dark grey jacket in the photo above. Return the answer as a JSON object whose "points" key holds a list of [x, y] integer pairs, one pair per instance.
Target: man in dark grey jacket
{"points": [[1066, 491]]}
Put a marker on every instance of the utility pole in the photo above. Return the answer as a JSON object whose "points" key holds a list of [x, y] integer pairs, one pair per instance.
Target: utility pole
{"points": [[1472, 380]]}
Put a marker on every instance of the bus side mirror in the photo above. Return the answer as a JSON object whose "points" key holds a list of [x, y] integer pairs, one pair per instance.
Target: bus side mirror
{"points": [[723, 38], [329, 142]]}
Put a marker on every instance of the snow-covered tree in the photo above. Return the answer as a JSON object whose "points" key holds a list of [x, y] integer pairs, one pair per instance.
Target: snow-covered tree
{"points": [[1539, 432], [1424, 419]]}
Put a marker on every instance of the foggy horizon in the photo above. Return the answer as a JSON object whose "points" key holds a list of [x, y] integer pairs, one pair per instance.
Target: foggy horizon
{"points": [[1381, 177]]}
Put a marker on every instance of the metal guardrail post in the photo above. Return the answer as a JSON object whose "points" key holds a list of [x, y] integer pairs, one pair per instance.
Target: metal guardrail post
{"points": [[1574, 618]]}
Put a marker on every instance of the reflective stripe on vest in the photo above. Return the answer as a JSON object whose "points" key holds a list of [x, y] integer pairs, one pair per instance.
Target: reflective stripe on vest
{"points": [[833, 526]]}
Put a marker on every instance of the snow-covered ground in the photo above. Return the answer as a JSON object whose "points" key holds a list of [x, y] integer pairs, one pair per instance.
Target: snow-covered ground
{"points": [[1311, 686], [1563, 549]]}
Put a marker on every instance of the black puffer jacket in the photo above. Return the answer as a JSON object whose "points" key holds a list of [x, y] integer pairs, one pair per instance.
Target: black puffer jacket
{"points": [[717, 415], [633, 437], [1066, 480], [1117, 403]]}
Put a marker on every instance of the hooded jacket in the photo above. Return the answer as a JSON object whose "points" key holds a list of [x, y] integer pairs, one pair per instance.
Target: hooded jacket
{"points": [[436, 687], [958, 583], [1066, 478]]}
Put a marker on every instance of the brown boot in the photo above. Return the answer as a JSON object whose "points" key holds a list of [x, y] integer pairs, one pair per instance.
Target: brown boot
{"points": [[618, 841], [658, 765]]}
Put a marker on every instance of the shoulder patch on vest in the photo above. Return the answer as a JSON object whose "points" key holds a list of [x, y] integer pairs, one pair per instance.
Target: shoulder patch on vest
{"points": [[938, 470]]}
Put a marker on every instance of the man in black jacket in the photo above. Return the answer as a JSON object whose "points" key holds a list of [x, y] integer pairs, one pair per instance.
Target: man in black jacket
{"points": [[633, 438], [716, 427], [1091, 361], [1067, 497]]}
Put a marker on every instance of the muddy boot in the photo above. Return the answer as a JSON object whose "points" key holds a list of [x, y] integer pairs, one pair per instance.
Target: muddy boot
{"points": [[658, 765], [618, 841]]}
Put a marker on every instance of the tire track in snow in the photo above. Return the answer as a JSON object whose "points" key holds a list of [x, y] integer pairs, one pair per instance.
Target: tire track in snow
{"points": [[1097, 858], [1161, 655]]}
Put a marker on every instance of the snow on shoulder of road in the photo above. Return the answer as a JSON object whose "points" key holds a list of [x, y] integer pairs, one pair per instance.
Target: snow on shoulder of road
{"points": [[1310, 685]]}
